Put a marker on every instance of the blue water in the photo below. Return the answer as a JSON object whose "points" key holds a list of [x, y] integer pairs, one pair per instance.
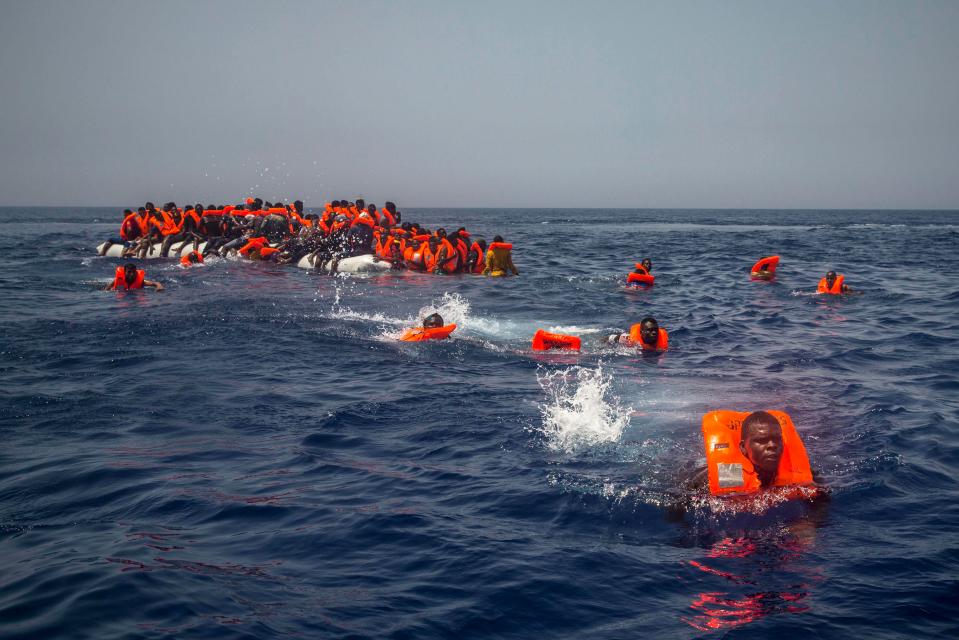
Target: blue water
{"points": [[252, 454]]}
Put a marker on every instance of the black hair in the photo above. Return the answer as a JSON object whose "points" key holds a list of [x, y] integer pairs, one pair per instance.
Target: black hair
{"points": [[433, 320], [755, 419], [497, 238], [649, 320], [130, 266]]}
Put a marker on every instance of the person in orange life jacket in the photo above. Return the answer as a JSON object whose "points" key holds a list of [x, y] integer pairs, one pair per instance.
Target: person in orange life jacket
{"points": [[129, 277], [129, 231], [650, 336], [359, 238], [374, 213], [833, 283], [389, 216], [442, 251], [644, 268], [475, 258], [187, 229], [460, 241], [499, 259], [761, 442], [432, 329]]}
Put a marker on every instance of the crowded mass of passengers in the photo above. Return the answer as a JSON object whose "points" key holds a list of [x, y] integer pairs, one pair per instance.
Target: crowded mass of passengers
{"points": [[285, 233]]}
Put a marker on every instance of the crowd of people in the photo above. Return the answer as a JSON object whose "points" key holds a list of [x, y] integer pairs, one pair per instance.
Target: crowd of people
{"points": [[286, 233]]}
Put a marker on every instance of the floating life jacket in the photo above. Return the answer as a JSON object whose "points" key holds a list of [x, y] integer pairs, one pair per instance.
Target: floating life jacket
{"points": [[636, 339], [194, 257], [544, 341], [731, 472], [120, 281], [640, 276], [417, 334], [768, 263], [836, 285]]}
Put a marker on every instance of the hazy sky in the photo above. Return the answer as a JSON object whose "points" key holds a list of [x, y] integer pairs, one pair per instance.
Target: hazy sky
{"points": [[452, 103]]}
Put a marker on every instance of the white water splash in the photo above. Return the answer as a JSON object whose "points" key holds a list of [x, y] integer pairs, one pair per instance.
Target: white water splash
{"points": [[579, 410]]}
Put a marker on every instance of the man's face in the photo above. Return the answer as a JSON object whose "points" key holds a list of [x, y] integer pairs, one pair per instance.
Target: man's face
{"points": [[764, 446], [130, 275], [830, 278], [649, 333]]}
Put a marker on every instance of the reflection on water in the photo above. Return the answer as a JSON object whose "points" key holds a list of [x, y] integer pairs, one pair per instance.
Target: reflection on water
{"points": [[750, 574]]}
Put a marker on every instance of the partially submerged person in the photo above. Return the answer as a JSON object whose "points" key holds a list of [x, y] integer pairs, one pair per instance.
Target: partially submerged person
{"points": [[765, 268], [499, 259], [432, 329], [646, 334], [640, 275], [750, 452], [833, 284], [129, 277], [192, 258]]}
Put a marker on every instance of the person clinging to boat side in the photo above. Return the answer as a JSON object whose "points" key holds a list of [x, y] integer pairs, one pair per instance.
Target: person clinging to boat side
{"points": [[129, 277]]}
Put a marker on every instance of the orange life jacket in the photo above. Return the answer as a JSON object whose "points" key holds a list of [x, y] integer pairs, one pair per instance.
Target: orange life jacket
{"points": [[169, 226], [131, 224], [194, 257], [500, 245], [120, 281], [479, 265], [640, 276], [253, 243], [416, 257], [192, 214], [365, 219], [144, 222], [450, 259], [636, 338], [417, 334], [836, 285], [387, 218], [766, 264], [461, 250], [731, 472], [543, 341]]}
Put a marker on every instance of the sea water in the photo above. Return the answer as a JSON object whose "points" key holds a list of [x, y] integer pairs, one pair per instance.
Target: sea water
{"points": [[252, 454]]}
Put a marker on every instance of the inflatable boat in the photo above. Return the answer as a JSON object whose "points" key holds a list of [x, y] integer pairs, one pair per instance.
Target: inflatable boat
{"points": [[355, 264]]}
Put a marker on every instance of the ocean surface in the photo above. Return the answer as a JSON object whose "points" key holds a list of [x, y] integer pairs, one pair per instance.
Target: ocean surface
{"points": [[252, 454]]}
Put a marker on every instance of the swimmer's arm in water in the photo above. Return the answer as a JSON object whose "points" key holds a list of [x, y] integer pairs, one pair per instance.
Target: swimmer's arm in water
{"points": [[155, 285], [697, 481], [509, 263]]}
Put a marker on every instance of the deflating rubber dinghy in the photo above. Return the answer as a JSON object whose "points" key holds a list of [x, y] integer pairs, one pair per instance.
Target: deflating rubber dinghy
{"points": [[356, 264], [176, 249]]}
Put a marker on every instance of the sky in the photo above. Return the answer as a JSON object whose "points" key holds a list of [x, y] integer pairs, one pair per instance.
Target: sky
{"points": [[720, 104]]}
